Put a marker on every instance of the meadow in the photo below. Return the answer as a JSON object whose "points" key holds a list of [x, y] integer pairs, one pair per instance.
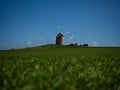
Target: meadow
{"points": [[60, 68]]}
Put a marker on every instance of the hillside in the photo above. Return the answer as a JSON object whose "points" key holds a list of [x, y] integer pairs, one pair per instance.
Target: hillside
{"points": [[61, 50]]}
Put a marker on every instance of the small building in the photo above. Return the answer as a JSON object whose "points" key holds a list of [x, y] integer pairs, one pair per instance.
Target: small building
{"points": [[85, 45], [73, 44], [60, 39]]}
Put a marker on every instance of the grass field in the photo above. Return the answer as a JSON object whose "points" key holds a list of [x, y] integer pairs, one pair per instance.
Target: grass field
{"points": [[60, 68]]}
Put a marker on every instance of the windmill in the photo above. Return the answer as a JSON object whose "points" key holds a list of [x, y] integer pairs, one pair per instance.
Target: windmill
{"points": [[59, 37]]}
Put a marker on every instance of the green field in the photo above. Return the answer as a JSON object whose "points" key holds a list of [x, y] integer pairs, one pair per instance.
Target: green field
{"points": [[60, 68]]}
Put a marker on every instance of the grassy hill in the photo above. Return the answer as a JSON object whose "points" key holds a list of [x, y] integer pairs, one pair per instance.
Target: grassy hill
{"points": [[60, 68]]}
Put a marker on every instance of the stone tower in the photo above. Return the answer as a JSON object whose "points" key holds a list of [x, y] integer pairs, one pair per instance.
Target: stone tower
{"points": [[60, 39]]}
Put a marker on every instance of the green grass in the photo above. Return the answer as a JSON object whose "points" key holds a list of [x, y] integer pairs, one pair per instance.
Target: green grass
{"points": [[60, 68]]}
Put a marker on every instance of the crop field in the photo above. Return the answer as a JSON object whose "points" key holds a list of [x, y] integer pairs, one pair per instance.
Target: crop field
{"points": [[60, 68]]}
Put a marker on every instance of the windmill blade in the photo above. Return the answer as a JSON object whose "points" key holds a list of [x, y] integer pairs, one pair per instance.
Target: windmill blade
{"points": [[59, 29], [66, 33]]}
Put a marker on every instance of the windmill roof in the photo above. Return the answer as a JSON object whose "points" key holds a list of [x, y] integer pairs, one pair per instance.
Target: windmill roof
{"points": [[60, 35]]}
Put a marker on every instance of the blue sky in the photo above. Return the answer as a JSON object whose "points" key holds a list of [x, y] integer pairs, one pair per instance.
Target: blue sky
{"points": [[26, 23]]}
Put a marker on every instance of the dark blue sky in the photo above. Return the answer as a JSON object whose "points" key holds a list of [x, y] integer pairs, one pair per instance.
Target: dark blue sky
{"points": [[25, 23]]}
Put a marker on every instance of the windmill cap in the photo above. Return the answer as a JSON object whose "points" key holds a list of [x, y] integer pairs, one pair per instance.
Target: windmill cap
{"points": [[60, 35]]}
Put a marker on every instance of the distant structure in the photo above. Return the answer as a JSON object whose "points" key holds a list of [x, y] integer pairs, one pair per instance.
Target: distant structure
{"points": [[85, 45], [73, 44], [60, 39]]}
